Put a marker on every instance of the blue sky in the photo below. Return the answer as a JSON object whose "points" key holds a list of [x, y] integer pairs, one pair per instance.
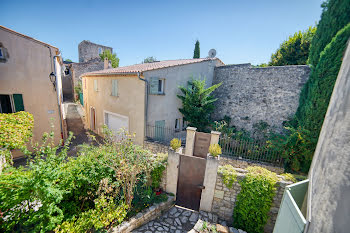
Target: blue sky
{"points": [[240, 30]]}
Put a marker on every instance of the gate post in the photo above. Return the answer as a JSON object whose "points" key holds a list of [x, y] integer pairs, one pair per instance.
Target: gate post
{"points": [[172, 172], [211, 172], [214, 137], [191, 132]]}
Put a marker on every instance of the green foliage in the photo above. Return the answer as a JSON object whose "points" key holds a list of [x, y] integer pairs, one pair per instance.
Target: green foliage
{"points": [[197, 103], [149, 59], [254, 201], [229, 175], [15, 129], [105, 213], [175, 143], [335, 16], [69, 60], [196, 52], [295, 50], [296, 148], [158, 169], [316, 93], [289, 177], [111, 57], [215, 150]]}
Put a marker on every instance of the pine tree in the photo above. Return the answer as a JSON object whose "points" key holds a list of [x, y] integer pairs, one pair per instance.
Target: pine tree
{"points": [[196, 52], [197, 103]]}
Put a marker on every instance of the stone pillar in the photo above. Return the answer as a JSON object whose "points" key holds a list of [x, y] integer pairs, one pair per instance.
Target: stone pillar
{"points": [[172, 172], [190, 135], [214, 137], [211, 172]]}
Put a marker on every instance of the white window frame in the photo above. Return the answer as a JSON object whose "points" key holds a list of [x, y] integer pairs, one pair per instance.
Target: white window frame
{"points": [[161, 81], [117, 115]]}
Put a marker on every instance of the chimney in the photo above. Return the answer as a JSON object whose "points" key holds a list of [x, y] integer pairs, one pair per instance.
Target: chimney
{"points": [[105, 65]]}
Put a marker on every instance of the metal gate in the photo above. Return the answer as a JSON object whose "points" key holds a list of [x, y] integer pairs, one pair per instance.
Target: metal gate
{"points": [[201, 144], [190, 181]]}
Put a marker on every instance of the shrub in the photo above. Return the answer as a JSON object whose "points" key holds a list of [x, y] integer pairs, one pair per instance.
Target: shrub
{"points": [[254, 201], [175, 143], [215, 150], [289, 177], [229, 175], [159, 167]]}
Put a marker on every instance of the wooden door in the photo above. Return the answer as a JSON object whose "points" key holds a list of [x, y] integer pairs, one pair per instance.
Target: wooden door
{"points": [[190, 181], [92, 118]]}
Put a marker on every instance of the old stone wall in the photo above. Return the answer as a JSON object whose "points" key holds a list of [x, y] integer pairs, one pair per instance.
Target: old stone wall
{"points": [[88, 50], [155, 147], [225, 198], [244, 164], [81, 68], [253, 96]]}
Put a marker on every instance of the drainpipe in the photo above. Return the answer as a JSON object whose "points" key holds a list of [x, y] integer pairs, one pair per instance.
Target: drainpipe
{"points": [[146, 100], [58, 96]]}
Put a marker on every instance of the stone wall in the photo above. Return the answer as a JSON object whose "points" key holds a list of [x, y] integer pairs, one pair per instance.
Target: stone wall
{"points": [[250, 95], [155, 147], [225, 198], [145, 216], [81, 68], [244, 164], [88, 50]]}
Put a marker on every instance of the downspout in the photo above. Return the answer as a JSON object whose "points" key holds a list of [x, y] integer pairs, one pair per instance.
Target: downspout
{"points": [[146, 101], [52, 60]]}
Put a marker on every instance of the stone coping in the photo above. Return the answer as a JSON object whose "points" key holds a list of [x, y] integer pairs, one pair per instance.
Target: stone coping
{"points": [[144, 216]]}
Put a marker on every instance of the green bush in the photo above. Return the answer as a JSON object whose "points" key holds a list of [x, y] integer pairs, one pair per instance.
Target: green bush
{"points": [[229, 175], [254, 201], [215, 150], [335, 16], [158, 169], [175, 143], [289, 177], [295, 50]]}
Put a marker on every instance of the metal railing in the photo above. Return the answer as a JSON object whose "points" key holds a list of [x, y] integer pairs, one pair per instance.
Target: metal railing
{"points": [[251, 150], [163, 134]]}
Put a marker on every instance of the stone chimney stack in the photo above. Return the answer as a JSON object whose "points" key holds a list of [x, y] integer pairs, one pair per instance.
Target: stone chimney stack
{"points": [[106, 63]]}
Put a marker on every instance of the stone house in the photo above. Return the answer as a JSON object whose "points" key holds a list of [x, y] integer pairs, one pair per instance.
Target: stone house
{"points": [[30, 80], [89, 60], [142, 98]]}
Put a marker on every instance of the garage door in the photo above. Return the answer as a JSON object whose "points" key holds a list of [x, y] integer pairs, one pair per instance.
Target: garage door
{"points": [[116, 122]]}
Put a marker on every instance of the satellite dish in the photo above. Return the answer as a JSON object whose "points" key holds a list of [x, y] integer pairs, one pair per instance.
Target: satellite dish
{"points": [[212, 53]]}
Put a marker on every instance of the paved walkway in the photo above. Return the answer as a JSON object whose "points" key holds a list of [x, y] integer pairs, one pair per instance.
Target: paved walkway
{"points": [[177, 220]]}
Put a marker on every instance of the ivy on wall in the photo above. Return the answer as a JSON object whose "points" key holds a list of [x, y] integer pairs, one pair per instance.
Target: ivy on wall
{"points": [[229, 175]]}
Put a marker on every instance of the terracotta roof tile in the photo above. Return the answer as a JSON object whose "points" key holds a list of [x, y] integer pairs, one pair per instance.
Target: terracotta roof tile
{"points": [[148, 66]]}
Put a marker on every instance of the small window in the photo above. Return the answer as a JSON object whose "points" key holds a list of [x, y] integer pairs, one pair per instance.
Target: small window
{"points": [[177, 124], [114, 87], [66, 71], [100, 51], [1, 53], [95, 85], [11, 103], [157, 86], [184, 124]]}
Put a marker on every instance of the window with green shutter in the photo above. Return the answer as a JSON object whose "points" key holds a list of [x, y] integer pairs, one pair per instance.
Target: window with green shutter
{"points": [[18, 102], [114, 87], [156, 86]]}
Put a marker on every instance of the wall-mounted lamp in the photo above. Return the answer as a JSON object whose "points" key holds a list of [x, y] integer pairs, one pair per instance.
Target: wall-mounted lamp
{"points": [[52, 77]]}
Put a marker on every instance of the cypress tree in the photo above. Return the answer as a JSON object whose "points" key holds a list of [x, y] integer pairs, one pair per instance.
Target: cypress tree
{"points": [[196, 53]]}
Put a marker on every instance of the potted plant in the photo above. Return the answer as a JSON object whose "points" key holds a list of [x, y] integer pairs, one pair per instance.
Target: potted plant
{"points": [[215, 150], [175, 144]]}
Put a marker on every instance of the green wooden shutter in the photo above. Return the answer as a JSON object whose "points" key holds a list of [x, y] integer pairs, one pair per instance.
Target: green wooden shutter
{"points": [[159, 130], [95, 85], [114, 87], [153, 85], [18, 101]]}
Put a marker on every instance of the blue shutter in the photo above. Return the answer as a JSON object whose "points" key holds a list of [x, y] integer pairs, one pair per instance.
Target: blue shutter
{"points": [[153, 85], [114, 87]]}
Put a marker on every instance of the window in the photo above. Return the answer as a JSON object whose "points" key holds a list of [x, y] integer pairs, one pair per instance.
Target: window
{"points": [[2, 53], [100, 50], [184, 124], [66, 71], [157, 86], [11, 103], [114, 87], [177, 124], [95, 85]]}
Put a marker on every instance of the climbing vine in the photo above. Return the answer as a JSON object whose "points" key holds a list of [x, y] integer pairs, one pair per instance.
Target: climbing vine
{"points": [[254, 201], [229, 175]]}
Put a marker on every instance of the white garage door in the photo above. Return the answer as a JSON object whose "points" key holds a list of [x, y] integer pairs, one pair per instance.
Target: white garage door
{"points": [[116, 122]]}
